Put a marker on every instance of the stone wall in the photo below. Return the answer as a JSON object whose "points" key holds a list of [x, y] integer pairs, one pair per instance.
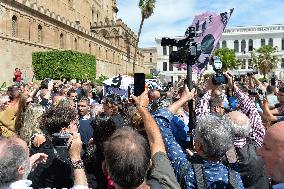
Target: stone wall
{"points": [[39, 29]]}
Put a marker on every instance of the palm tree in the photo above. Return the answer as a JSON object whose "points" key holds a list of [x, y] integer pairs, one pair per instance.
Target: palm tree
{"points": [[265, 59], [147, 9], [228, 58]]}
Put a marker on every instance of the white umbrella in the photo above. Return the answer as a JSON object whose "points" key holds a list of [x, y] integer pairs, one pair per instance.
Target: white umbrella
{"points": [[120, 81]]}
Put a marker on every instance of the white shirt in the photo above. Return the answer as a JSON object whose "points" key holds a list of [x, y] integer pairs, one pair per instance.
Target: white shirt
{"points": [[25, 184]]}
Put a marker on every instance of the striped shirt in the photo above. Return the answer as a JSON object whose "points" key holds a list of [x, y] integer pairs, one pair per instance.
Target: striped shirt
{"points": [[248, 107]]}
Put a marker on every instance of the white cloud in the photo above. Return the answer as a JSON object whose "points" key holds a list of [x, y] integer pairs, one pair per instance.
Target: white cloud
{"points": [[167, 20], [172, 17]]}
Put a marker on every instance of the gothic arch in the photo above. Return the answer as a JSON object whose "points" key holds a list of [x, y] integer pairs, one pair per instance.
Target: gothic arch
{"points": [[114, 32], [104, 33]]}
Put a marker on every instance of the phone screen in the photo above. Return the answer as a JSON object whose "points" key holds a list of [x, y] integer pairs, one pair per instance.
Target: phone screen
{"points": [[139, 83]]}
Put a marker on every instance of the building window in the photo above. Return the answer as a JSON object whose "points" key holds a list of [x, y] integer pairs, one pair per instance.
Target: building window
{"points": [[171, 67], [150, 54], [250, 45], [243, 46], [262, 42], [76, 44], [236, 46], [61, 41], [150, 59], [165, 66], [243, 64], [14, 26], [270, 42], [170, 49], [250, 65], [39, 34], [282, 63], [224, 44], [90, 48], [282, 43], [164, 50]]}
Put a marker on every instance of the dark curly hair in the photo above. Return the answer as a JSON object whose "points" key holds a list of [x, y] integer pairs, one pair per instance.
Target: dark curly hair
{"points": [[104, 127], [56, 118]]}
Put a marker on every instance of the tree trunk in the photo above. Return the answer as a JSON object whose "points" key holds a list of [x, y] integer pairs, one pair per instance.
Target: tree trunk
{"points": [[138, 37]]}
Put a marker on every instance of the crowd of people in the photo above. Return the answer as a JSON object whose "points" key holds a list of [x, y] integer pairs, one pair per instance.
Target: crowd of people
{"points": [[67, 134]]}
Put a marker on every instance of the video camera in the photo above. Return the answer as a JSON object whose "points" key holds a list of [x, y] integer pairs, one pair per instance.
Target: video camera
{"points": [[219, 78], [188, 50], [60, 139], [255, 92], [237, 78], [252, 73]]}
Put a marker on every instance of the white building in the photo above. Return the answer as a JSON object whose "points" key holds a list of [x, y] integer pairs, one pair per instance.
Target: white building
{"points": [[242, 39]]}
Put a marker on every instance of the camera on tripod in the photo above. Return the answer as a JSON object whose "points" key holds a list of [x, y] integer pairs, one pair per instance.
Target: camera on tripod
{"points": [[187, 50], [219, 78]]}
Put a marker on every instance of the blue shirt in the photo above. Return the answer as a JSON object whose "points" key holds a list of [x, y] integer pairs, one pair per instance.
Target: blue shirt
{"points": [[233, 102], [85, 129], [216, 173], [179, 129]]}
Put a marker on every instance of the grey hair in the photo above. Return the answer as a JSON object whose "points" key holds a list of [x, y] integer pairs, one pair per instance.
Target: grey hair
{"points": [[240, 129], [214, 134], [12, 156]]}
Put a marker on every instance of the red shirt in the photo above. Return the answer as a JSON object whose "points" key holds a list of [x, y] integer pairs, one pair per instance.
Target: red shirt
{"points": [[18, 76]]}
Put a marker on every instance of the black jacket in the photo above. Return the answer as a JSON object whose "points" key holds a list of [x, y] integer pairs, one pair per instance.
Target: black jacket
{"points": [[56, 173]]}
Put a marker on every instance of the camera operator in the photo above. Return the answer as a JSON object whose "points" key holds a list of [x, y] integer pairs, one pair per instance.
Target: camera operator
{"points": [[57, 123]]}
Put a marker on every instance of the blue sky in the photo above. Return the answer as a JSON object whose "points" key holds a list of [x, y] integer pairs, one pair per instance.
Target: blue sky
{"points": [[172, 17]]}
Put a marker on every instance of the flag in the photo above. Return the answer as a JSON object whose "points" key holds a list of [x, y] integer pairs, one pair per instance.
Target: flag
{"points": [[209, 27]]}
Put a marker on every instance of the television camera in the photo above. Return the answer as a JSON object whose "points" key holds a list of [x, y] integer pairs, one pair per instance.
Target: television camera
{"points": [[187, 50]]}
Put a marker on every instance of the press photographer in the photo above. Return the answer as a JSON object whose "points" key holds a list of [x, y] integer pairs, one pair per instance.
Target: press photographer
{"points": [[248, 133], [219, 78], [58, 123]]}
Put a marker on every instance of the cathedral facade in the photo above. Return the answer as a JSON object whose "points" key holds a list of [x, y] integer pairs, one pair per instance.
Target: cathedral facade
{"points": [[87, 26]]}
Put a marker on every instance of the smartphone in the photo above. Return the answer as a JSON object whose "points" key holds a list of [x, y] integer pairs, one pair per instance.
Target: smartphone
{"points": [[139, 83]]}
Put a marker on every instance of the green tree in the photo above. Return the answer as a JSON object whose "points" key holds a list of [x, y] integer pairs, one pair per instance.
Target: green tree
{"points": [[147, 9], [228, 58], [265, 59]]}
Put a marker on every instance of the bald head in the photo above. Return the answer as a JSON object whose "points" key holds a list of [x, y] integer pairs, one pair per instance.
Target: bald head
{"points": [[272, 152], [154, 94], [276, 133], [241, 126]]}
